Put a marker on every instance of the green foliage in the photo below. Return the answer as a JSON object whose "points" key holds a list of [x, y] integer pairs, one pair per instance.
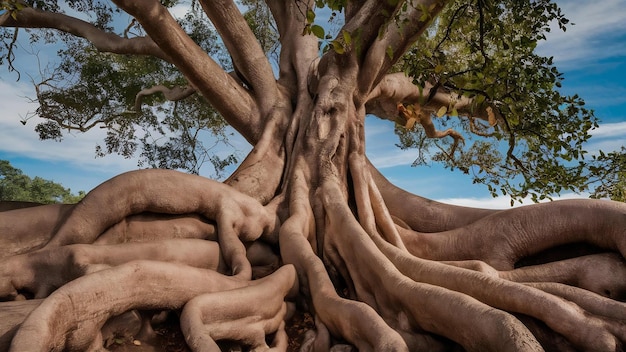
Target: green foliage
{"points": [[91, 89], [609, 170], [485, 50], [482, 49], [15, 186]]}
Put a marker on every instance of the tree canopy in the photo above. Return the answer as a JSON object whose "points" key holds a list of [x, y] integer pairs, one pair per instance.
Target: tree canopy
{"points": [[15, 186], [481, 50]]}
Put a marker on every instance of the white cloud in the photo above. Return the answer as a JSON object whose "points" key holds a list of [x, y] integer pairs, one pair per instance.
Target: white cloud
{"points": [[503, 202], [77, 149], [589, 39], [607, 130]]}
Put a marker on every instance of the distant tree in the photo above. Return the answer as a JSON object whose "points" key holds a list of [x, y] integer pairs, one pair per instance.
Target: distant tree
{"points": [[15, 186]]}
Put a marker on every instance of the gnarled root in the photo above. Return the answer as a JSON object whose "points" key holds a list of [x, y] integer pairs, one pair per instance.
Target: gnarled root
{"points": [[25, 229], [410, 305], [147, 227], [238, 217], [71, 317], [43, 271], [245, 315], [604, 274]]}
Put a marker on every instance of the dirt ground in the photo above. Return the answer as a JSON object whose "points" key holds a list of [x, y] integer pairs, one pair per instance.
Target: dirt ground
{"points": [[169, 338]]}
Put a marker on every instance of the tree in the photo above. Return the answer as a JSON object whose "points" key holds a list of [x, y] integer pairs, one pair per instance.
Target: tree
{"points": [[15, 186], [306, 222]]}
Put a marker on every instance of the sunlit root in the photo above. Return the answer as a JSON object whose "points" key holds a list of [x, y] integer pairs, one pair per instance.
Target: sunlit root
{"points": [[411, 302], [154, 227], [12, 314], [25, 229], [43, 271], [71, 317], [589, 301], [245, 315], [422, 214], [561, 316], [503, 238], [604, 274], [355, 321], [238, 217]]}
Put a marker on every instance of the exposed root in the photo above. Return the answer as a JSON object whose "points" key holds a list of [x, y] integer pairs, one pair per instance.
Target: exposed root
{"points": [[71, 318], [396, 297], [356, 322], [503, 238], [604, 274], [238, 217], [43, 271], [26, 229], [153, 227], [245, 315]]}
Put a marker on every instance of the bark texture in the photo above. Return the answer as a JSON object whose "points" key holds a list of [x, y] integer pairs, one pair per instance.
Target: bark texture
{"points": [[306, 223]]}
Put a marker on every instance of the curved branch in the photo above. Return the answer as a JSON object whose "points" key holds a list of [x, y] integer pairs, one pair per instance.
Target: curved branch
{"points": [[223, 92], [171, 94], [415, 114], [103, 41], [396, 88], [395, 40], [246, 52]]}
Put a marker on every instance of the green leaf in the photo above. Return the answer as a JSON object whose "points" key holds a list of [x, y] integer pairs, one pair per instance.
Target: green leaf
{"points": [[347, 37], [338, 47], [318, 31], [389, 52], [310, 16]]}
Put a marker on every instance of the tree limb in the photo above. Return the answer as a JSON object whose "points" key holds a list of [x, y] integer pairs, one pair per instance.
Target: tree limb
{"points": [[223, 92], [394, 41], [396, 88], [298, 52], [246, 52], [171, 94], [103, 41]]}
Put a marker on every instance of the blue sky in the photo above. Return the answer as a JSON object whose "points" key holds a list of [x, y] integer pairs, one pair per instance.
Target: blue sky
{"points": [[591, 54]]}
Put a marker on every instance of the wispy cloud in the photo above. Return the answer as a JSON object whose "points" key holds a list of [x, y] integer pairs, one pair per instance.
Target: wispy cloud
{"points": [[78, 149], [597, 25], [607, 130], [503, 202]]}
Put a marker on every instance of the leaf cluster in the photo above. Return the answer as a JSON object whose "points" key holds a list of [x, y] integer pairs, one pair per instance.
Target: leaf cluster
{"points": [[89, 89], [485, 50]]}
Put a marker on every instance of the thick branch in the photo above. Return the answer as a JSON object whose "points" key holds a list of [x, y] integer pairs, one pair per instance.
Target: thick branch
{"points": [[396, 88], [246, 52], [103, 41], [217, 86], [298, 52], [396, 39]]}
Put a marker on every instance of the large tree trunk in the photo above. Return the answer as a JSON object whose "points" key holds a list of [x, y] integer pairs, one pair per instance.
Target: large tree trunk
{"points": [[306, 223]]}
